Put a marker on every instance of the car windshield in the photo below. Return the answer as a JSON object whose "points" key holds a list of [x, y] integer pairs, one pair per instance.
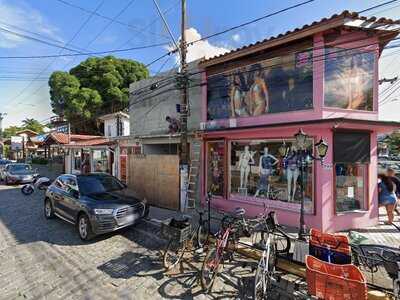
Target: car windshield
{"points": [[98, 184], [19, 168]]}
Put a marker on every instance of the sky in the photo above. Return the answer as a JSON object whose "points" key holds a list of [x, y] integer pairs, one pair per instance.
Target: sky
{"points": [[119, 24]]}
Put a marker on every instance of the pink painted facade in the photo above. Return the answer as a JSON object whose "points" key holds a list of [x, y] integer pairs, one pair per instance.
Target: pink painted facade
{"points": [[318, 122]]}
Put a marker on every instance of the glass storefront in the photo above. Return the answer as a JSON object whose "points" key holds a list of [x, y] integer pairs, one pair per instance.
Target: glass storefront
{"points": [[261, 169], [349, 75], [350, 181], [215, 167], [279, 84], [100, 161]]}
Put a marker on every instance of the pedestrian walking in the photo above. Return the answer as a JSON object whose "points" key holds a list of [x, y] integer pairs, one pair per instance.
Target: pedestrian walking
{"points": [[392, 175], [387, 195]]}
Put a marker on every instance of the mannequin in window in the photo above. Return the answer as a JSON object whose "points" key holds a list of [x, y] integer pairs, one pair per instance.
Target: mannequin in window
{"points": [[267, 162], [246, 158], [292, 171]]}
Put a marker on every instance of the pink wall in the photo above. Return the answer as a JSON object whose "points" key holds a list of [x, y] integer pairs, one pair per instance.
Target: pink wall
{"points": [[325, 217]]}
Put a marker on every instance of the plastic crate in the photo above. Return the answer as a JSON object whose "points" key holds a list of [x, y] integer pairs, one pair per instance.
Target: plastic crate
{"points": [[177, 231], [335, 282], [333, 248]]}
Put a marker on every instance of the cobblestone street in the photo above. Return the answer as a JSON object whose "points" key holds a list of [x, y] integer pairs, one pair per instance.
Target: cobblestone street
{"points": [[45, 259]]}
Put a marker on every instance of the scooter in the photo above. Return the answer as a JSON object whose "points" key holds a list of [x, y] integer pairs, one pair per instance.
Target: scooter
{"points": [[40, 183]]}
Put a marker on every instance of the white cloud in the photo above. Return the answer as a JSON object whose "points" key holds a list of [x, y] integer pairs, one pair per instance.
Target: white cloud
{"points": [[201, 49], [236, 37], [25, 17]]}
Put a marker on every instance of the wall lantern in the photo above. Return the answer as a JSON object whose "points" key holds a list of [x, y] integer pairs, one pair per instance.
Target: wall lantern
{"points": [[301, 137], [322, 148]]}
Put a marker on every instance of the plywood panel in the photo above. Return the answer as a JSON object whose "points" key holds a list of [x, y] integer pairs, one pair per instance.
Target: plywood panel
{"points": [[156, 178]]}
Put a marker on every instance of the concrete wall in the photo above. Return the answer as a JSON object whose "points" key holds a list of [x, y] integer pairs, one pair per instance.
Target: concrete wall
{"points": [[110, 127], [149, 108]]}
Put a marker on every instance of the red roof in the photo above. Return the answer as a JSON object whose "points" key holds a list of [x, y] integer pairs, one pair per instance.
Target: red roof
{"points": [[342, 17], [62, 138], [91, 142]]}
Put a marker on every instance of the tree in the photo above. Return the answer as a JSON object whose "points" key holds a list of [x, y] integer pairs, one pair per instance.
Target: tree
{"points": [[11, 131], [33, 125], [393, 142], [95, 87]]}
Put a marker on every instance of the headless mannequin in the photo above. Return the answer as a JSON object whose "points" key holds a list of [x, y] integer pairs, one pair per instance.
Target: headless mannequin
{"points": [[246, 158], [267, 161], [292, 173]]}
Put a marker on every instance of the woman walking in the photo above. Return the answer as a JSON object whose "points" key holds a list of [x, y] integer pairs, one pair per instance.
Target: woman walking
{"points": [[387, 195]]}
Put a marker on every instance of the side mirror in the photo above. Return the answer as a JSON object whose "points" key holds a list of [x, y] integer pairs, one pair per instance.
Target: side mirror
{"points": [[74, 193]]}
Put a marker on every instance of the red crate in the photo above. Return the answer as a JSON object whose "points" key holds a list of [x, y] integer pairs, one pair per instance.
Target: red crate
{"points": [[338, 242], [335, 282]]}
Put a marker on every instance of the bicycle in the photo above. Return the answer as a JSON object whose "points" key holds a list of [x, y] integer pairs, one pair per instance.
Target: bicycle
{"points": [[264, 275], [176, 248], [232, 228]]}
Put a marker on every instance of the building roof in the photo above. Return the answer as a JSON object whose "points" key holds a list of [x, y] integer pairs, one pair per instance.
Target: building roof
{"points": [[91, 142], [62, 138], [345, 18], [114, 115], [28, 132]]}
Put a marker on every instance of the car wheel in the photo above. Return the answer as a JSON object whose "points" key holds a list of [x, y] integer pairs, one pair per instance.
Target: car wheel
{"points": [[84, 228], [48, 209]]}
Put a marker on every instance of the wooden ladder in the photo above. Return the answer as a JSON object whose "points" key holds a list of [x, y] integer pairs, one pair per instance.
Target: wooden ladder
{"points": [[194, 174]]}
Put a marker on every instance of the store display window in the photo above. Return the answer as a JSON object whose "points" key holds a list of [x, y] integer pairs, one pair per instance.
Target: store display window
{"points": [[351, 161], [270, 170], [215, 167]]}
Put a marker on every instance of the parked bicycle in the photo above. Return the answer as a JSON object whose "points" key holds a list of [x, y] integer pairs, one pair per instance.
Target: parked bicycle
{"points": [[265, 272], [188, 237], [232, 228]]}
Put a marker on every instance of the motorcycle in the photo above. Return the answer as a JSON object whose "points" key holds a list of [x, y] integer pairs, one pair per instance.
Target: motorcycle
{"points": [[40, 183]]}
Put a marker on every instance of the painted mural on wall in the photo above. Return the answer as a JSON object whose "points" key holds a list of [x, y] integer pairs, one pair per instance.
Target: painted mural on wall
{"points": [[349, 79], [275, 85]]}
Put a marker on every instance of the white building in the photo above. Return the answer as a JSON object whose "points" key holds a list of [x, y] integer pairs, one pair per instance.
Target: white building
{"points": [[116, 124]]}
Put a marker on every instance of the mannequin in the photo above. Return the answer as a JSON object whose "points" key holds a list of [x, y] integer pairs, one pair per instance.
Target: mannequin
{"points": [[246, 158], [292, 171], [267, 162]]}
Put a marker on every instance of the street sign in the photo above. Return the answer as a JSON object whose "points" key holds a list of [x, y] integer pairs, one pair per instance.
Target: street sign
{"points": [[62, 129]]}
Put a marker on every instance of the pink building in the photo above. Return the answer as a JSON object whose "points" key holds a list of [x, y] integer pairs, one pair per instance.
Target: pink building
{"points": [[322, 78]]}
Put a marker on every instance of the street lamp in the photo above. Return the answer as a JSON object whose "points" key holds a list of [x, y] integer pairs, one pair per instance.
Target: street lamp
{"points": [[303, 157]]}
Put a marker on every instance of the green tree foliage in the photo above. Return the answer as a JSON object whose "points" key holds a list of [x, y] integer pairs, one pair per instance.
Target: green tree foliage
{"points": [[11, 131], [33, 125], [95, 87], [393, 142]]}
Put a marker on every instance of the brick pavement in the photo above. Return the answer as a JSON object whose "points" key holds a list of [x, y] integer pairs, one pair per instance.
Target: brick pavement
{"points": [[45, 259]]}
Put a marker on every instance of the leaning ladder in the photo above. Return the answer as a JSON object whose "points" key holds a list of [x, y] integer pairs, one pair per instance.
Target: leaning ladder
{"points": [[194, 174]]}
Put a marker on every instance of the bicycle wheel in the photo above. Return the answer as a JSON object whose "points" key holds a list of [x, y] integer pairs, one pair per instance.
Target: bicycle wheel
{"points": [[282, 242], [264, 275], [210, 269], [173, 254], [202, 235]]}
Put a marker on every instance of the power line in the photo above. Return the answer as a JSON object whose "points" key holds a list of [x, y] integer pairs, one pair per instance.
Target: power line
{"points": [[97, 14], [54, 59]]}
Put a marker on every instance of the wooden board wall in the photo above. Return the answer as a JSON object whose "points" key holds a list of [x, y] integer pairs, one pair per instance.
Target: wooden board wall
{"points": [[156, 178]]}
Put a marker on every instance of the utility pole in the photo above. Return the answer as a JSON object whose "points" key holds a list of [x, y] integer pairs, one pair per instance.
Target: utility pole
{"points": [[184, 155], [2, 115]]}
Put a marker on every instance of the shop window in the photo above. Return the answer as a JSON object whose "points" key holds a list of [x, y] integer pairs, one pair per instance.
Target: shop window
{"points": [[350, 186], [351, 160], [263, 170], [280, 84], [349, 78], [100, 160], [215, 167]]}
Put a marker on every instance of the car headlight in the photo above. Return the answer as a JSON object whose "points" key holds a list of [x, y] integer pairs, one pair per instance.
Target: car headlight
{"points": [[103, 211]]}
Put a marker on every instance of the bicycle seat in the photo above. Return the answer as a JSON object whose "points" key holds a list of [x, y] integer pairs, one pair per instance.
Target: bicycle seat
{"points": [[200, 211], [239, 212]]}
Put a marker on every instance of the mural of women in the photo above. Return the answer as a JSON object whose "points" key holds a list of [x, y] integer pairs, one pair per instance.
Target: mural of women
{"points": [[237, 95], [349, 81], [258, 92]]}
